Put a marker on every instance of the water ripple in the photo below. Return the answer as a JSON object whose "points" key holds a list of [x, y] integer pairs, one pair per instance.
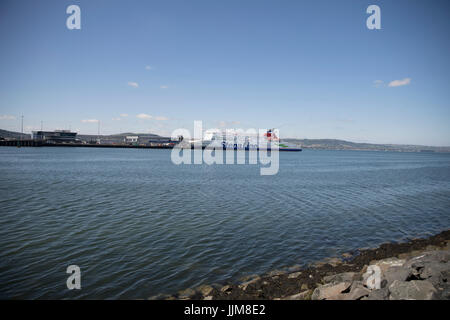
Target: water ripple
{"points": [[138, 225]]}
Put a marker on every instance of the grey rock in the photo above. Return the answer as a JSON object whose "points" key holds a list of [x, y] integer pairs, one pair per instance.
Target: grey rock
{"points": [[395, 273], [294, 275], [357, 293], [412, 290], [331, 291], [299, 296], [434, 271], [443, 292], [389, 263], [205, 290], [428, 257], [160, 296], [185, 294], [248, 278], [276, 273], [244, 285], [380, 294], [340, 277], [430, 266], [389, 270], [226, 289]]}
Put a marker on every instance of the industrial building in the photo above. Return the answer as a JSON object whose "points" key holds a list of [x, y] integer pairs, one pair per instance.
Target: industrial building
{"points": [[57, 136]]}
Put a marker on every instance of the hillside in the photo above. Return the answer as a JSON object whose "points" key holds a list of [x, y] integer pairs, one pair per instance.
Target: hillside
{"points": [[13, 135], [333, 144]]}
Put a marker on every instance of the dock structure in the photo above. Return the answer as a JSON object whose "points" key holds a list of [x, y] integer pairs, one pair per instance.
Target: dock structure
{"points": [[37, 143], [21, 143]]}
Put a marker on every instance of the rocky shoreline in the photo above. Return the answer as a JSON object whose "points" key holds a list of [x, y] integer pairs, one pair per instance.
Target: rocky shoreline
{"points": [[418, 269]]}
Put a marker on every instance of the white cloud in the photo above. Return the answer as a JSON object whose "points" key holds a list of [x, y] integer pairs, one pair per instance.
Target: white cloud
{"points": [[133, 84], [7, 117], [124, 115], [148, 68], [89, 121], [144, 116], [399, 83], [164, 87], [161, 118], [116, 119]]}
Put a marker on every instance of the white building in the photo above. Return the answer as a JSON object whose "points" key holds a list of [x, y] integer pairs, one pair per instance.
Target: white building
{"points": [[131, 139]]}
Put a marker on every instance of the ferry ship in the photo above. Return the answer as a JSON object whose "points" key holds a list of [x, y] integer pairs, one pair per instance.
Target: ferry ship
{"points": [[242, 141]]}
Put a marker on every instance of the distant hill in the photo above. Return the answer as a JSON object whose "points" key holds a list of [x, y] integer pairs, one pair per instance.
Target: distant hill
{"points": [[5, 134], [333, 144], [117, 138]]}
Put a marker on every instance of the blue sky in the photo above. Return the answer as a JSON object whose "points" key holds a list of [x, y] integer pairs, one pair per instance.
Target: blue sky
{"points": [[310, 68]]}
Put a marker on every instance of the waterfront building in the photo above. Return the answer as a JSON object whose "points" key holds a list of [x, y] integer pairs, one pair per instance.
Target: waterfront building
{"points": [[57, 136], [131, 139]]}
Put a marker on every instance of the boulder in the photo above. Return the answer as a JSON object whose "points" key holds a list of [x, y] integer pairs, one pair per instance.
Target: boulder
{"points": [[294, 275], [412, 290], [227, 289], [420, 261], [331, 291], [357, 293], [444, 292], [160, 296], [430, 266], [434, 272], [389, 263], [205, 290], [244, 285], [298, 296], [394, 273], [275, 273], [380, 294], [340, 277], [389, 270], [248, 278], [185, 294]]}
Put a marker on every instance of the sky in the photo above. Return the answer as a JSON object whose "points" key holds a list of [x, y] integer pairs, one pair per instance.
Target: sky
{"points": [[312, 69]]}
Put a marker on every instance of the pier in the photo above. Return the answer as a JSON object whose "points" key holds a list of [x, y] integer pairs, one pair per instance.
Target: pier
{"points": [[21, 143], [37, 143]]}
